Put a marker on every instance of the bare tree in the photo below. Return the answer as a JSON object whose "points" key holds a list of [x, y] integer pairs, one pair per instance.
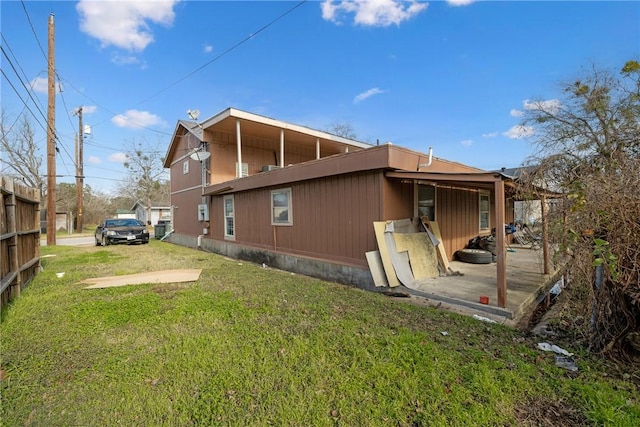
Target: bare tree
{"points": [[589, 150], [147, 175], [342, 129], [21, 157]]}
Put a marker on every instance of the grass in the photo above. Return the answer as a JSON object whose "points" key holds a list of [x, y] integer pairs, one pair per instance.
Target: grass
{"points": [[252, 346]]}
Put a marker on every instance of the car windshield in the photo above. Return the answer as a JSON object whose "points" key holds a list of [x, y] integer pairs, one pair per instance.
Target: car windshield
{"points": [[124, 222]]}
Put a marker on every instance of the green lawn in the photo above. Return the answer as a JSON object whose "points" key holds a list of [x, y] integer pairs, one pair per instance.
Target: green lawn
{"points": [[247, 345]]}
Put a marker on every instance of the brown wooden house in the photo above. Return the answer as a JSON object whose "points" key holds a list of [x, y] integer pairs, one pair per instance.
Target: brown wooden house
{"points": [[303, 200]]}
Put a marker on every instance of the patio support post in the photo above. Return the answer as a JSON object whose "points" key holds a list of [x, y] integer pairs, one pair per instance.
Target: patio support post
{"points": [[317, 148], [545, 236], [282, 148], [239, 148], [501, 261]]}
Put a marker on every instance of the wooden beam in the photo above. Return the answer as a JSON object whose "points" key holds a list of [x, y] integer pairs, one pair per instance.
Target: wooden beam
{"points": [[545, 236], [501, 260], [238, 149]]}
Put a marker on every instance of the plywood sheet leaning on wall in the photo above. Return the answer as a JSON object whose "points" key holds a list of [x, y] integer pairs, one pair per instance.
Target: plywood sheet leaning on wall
{"points": [[379, 228], [377, 270], [422, 254], [400, 260], [442, 254]]}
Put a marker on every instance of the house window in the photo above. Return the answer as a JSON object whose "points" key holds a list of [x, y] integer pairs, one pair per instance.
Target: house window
{"points": [[229, 218], [185, 167], [427, 202], [484, 211], [281, 207]]}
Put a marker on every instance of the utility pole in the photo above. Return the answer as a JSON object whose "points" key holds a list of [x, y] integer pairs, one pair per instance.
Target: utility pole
{"points": [[51, 143], [79, 173]]}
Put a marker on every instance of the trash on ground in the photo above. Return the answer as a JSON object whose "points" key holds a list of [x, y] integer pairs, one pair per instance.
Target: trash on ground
{"points": [[566, 363], [557, 287], [444, 333], [60, 275], [484, 319], [545, 346]]}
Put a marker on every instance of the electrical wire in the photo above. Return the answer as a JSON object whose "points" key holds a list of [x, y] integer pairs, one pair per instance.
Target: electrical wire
{"points": [[24, 7], [229, 50], [27, 89]]}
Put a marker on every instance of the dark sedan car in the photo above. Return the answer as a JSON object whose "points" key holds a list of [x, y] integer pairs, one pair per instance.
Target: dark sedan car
{"points": [[121, 230]]}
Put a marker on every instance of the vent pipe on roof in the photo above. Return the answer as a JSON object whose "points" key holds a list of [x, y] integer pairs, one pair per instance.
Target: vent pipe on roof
{"points": [[426, 165]]}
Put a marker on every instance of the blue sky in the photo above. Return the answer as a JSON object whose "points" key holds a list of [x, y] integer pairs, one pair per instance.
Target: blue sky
{"points": [[452, 75]]}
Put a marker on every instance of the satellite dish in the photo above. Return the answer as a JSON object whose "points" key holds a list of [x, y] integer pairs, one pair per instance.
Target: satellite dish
{"points": [[193, 114], [200, 156]]}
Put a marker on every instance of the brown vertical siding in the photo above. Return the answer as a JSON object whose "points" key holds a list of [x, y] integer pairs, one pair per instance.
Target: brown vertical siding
{"points": [[332, 218], [398, 199], [256, 153], [186, 191], [457, 213], [185, 215]]}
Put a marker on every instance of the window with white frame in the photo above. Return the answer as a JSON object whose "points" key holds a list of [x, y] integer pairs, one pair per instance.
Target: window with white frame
{"points": [[281, 207], [485, 208], [229, 218], [427, 201], [185, 167]]}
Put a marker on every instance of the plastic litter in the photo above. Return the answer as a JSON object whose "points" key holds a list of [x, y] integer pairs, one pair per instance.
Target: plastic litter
{"points": [[60, 275], [545, 346], [483, 319], [444, 333], [566, 363]]}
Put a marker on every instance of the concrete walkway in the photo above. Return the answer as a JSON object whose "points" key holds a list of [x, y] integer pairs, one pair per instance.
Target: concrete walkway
{"points": [[526, 282]]}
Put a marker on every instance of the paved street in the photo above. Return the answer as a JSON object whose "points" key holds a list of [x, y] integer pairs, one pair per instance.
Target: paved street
{"points": [[71, 241]]}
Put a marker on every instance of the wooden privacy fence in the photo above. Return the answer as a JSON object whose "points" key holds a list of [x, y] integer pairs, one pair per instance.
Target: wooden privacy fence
{"points": [[19, 237]]}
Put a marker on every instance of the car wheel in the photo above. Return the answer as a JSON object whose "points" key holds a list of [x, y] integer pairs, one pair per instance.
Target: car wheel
{"points": [[474, 256]]}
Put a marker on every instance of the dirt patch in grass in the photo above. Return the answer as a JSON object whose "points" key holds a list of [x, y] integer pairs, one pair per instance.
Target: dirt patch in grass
{"points": [[549, 413]]}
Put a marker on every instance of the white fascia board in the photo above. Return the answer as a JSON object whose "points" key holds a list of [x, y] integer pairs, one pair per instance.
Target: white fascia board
{"points": [[239, 114]]}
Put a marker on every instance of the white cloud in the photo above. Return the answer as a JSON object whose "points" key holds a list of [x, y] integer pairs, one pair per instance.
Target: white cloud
{"points": [[367, 94], [518, 132], [208, 48], [124, 24], [490, 135], [374, 13], [118, 158], [41, 85], [466, 143], [516, 113], [93, 160], [550, 105], [119, 59], [460, 2], [135, 119]]}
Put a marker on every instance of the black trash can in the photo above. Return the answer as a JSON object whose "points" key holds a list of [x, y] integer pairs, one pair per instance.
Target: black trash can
{"points": [[159, 230]]}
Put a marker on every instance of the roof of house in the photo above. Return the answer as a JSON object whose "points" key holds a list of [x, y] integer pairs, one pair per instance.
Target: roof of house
{"points": [[396, 161], [154, 205], [254, 124]]}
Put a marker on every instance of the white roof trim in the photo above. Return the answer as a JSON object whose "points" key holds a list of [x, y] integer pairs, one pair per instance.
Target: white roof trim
{"points": [[239, 114]]}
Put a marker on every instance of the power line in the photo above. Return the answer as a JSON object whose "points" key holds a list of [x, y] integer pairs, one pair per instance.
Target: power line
{"points": [[35, 103], [229, 50], [23, 101], [24, 7]]}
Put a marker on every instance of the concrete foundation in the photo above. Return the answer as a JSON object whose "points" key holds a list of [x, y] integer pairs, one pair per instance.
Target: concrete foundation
{"points": [[322, 269]]}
